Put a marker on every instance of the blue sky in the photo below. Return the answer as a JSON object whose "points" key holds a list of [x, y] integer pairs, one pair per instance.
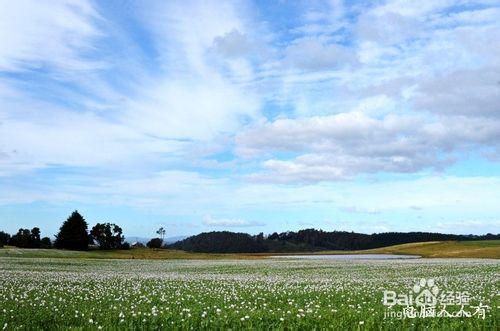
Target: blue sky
{"points": [[249, 116]]}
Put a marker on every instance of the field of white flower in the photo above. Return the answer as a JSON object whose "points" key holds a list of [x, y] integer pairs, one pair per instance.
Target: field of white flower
{"points": [[242, 294]]}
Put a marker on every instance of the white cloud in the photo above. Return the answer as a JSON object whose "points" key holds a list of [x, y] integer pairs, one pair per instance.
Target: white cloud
{"points": [[36, 34], [403, 108], [357, 210], [233, 44], [344, 145], [90, 122], [40, 135], [228, 222], [192, 109], [469, 92], [387, 27], [193, 97], [312, 54], [395, 87], [185, 31]]}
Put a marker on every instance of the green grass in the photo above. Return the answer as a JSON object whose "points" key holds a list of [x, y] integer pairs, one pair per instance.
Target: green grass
{"points": [[482, 243], [85, 294], [470, 249]]}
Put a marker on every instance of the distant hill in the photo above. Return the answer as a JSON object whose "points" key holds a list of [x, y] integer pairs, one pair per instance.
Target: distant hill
{"points": [[309, 240]]}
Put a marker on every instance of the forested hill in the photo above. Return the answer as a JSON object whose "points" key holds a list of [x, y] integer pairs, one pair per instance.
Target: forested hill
{"points": [[308, 240]]}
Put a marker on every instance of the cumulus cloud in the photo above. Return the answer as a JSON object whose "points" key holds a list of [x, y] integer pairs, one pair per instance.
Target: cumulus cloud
{"points": [[474, 92], [344, 145], [339, 146], [403, 108]]}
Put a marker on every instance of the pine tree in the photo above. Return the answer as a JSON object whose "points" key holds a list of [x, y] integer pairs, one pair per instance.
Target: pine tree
{"points": [[73, 234]]}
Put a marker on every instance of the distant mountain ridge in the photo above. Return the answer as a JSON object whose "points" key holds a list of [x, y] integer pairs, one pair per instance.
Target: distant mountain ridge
{"points": [[144, 240]]}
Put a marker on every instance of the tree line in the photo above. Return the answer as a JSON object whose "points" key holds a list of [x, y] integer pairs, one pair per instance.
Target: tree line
{"points": [[309, 240], [73, 235]]}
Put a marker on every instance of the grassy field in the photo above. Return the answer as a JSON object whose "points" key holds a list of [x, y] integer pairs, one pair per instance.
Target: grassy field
{"points": [[84, 294], [436, 249], [471, 249], [136, 253]]}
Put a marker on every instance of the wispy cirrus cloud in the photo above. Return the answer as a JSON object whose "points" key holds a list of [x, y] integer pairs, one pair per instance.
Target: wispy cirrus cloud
{"points": [[55, 35], [151, 118]]}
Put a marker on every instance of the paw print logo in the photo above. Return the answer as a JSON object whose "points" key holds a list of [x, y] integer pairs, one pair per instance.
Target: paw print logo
{"points": [[426, 291]]}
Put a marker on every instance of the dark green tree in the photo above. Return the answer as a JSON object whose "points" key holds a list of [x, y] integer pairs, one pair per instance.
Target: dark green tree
{"points": [[4, 238], [21, 238], [45, 242], [108, 236], [35, 237], [222, 242], [73, 234], [26, 238], [155, 243], [274, 236]]}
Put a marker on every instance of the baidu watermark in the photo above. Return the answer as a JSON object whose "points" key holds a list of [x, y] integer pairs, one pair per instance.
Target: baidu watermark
{"points": [[427, 300]]}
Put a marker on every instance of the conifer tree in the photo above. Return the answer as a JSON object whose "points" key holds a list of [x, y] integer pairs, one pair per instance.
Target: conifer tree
{"points": [[73, 234]]}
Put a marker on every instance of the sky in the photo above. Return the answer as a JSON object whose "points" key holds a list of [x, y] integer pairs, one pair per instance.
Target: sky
{"points": [[251, 116]]}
